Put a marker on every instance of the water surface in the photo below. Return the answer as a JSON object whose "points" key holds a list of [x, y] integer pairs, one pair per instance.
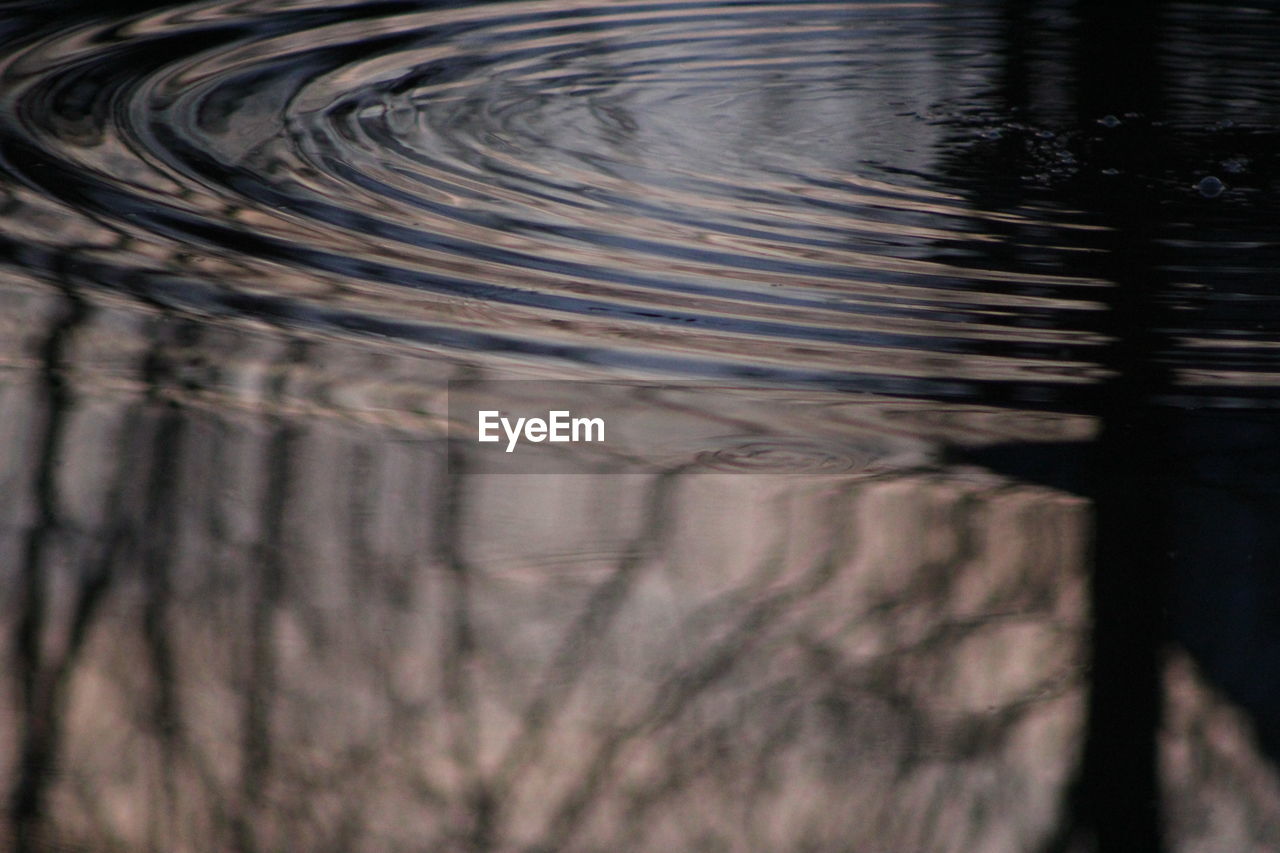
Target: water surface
{"points": [[959, 321]]}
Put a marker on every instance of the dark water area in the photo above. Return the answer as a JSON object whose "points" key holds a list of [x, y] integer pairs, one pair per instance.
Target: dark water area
{"points": [[940, 348]]}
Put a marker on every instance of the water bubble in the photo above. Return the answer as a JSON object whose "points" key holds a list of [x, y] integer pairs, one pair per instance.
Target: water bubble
{"points": [[1109, 121], [1210, 187]]}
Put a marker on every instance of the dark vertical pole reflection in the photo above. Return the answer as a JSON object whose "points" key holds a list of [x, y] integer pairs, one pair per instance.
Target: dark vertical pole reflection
{"points": [[1117, 799], [1105, 56], [1179, 503]]}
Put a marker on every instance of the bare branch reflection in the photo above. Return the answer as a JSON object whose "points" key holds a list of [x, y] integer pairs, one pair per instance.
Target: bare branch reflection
{"points": [[260, 610]]}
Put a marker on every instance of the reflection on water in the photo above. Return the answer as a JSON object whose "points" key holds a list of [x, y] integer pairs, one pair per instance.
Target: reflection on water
{"points": [[1008, 584], [283, 623], [734, 191], [255, 606]]}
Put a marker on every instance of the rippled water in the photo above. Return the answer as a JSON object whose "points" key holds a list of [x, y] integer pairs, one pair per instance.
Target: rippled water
{"points": [[800, 191], [992, 284], [559, 180]]}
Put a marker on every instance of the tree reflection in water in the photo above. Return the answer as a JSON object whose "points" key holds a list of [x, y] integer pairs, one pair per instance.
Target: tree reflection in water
{"points": [[261, 611], [258, 602], [253, 619]]}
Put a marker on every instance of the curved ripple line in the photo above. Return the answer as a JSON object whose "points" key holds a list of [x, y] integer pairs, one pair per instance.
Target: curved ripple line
{"points": [[746, 185]]}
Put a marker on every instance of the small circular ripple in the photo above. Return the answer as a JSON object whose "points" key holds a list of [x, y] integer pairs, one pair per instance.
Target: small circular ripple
{"points": [[723, 189], [791, 455]]}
